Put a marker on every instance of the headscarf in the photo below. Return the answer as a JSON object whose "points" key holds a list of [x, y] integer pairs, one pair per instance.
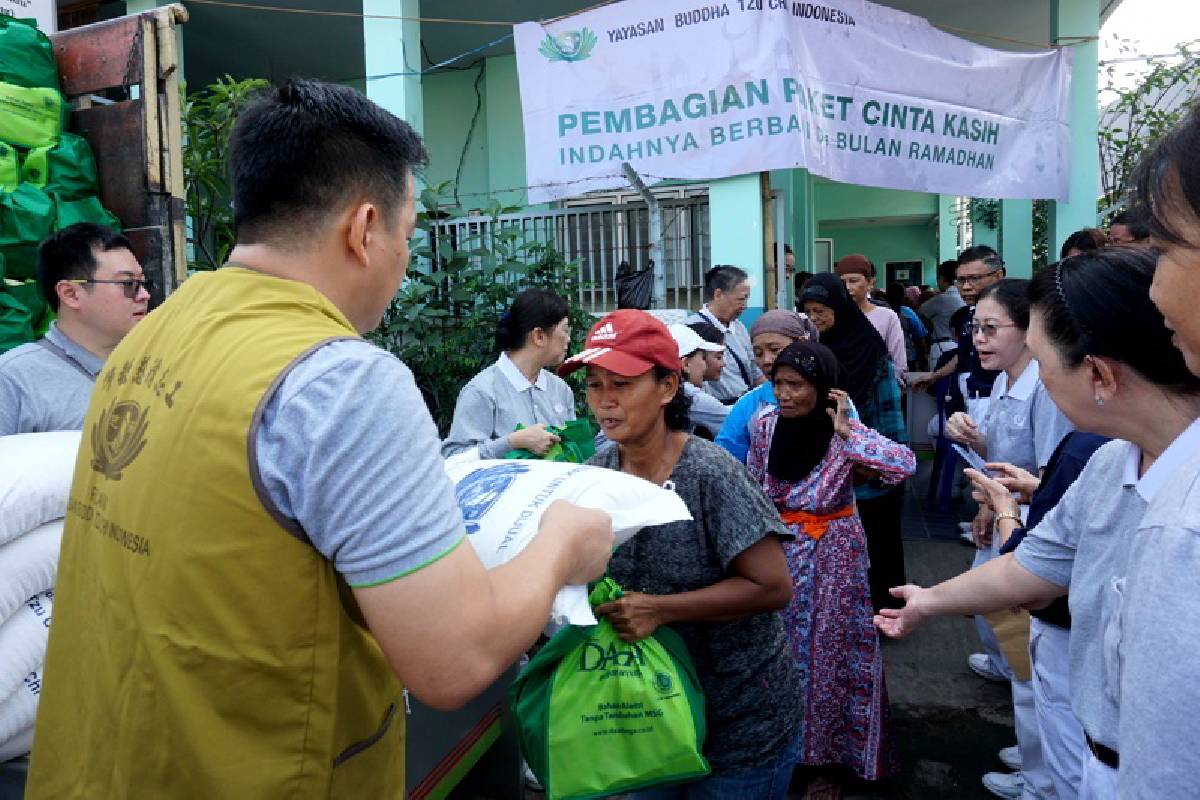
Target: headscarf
{"points": [[853, 339], [791, 324], [799, 443]]}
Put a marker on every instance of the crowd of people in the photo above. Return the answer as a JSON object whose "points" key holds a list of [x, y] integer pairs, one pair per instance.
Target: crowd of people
{"points": [[1075, 394]]}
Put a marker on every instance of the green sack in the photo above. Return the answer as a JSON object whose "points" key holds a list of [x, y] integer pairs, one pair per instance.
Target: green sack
{"points": [[10, 174], [577, 446], [598, 716], [87, 209], [26, 55], [26, 218], [67, 169], [29, 295], [16, 323], [30, 117]]}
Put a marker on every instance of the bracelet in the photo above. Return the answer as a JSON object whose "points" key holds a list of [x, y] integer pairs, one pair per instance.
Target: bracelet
{"points": [[1013, 517]]}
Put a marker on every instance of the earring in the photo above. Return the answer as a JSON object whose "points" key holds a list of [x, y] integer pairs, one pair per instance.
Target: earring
{"points": [[1099, 400]]}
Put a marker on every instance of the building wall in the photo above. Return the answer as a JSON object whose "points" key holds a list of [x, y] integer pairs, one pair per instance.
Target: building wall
{"points": [[849, 202], [883, 243]]}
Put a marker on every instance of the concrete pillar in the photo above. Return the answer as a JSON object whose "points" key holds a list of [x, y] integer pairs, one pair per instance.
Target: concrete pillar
{"points": [[1078, 18], [947, 229], [804, 221], [1016, 237], [735, 212], [394, 45]]}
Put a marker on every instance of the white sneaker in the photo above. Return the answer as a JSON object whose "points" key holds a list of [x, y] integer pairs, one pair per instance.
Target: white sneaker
{"points": [[981, 665], [1011, 758], [1004, 784]]}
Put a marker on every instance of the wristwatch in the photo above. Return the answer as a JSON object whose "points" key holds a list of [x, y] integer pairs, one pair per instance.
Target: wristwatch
{"points": [[1016, 518]]}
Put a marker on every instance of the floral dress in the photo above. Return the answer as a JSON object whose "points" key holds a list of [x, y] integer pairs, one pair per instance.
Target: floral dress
{"points": [[829, 620]]}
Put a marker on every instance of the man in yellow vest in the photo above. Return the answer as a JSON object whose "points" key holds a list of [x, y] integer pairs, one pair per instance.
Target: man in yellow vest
{"points": [[261, 542]]}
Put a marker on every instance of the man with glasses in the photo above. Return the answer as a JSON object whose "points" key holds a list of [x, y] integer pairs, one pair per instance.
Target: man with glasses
{"points": [[90, 278]]}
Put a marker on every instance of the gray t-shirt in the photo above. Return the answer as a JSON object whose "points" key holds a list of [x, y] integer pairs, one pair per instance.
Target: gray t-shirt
{"points": [[1160, 636], [347, 449], [1084, 543], [706, 411], [1023, 426], [748, 674], [741, 374], [492, 404], [46, 388], [939, 309]]}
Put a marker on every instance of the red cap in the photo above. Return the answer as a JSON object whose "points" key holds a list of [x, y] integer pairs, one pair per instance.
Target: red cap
{"points": [[628, 342]]}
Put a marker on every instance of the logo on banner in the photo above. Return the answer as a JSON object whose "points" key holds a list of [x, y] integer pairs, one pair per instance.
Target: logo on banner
{"points": [[568, 45]]}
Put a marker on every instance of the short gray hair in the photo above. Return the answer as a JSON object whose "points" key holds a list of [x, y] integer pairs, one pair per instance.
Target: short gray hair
{"points": [[724, 277]]}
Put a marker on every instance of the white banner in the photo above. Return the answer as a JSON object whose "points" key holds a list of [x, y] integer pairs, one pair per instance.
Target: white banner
{"points": [[851, 90]]}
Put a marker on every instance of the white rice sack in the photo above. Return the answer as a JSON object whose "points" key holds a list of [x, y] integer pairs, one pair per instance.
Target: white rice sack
{"points": [[23, 638], [35, 478], [502, 503], [18, 745], [28, 565], [19, 709]]}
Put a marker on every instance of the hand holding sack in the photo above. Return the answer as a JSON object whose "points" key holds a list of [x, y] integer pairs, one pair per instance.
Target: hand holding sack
{"points": [[598, 716]]}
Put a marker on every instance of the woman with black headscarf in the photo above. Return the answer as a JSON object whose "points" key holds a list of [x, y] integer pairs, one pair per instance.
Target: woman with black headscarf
{"points": [[804, 454], [869, 378]]}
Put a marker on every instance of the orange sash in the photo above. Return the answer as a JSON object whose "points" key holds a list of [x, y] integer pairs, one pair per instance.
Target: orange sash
{"points": [[812, 524]]}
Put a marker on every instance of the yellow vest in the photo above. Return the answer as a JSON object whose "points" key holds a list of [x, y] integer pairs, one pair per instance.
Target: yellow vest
{"points": [[200, 649]]}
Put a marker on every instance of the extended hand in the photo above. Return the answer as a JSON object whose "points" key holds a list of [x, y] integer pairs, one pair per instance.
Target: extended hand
{"points": [[900, 622], [585, 533], [981, 527], [634, 616], [840, 415], [962, 429], [1021, 483], [997, 498]]}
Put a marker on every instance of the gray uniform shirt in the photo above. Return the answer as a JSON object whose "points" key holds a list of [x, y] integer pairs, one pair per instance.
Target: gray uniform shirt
{"points": [[1084, 543], [499, 398], [1160, 636], [706, 411], [46, 388], [741, 374], [347, 450], [1022, 425], [939, 309]]}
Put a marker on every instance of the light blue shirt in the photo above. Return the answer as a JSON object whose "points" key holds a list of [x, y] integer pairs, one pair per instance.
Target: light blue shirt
{"points": [[735, 433], [347, 449], [1022, 425], [46, 389], [739, 358]]}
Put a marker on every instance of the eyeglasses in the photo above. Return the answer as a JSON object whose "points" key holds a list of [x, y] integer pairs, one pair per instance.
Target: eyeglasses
{"points": [[988, 329], [132, 285], [973, 279]]}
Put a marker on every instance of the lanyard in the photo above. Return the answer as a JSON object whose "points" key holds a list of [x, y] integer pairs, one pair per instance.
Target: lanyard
{"points": [[67, 357]]}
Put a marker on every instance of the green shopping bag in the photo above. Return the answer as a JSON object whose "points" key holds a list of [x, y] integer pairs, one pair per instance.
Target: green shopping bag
{"points": [[26, 55], [87, 209], [26, 218], [16, 323], [30, 117], [10, 174], [577, 445], [598, 716], [67, 170]]}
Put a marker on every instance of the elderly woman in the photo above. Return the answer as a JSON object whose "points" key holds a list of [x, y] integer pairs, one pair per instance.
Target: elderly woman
{"points": [[719, 580], [770, 333], [532, 336], [1138, 391], [804, 453], [869, 378]]}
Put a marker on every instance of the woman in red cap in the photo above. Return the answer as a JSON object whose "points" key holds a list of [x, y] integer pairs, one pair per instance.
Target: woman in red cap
{"points": [[719, 580]]}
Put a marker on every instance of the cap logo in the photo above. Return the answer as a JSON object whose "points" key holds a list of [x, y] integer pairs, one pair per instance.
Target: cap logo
{"points": [[605, 333]]}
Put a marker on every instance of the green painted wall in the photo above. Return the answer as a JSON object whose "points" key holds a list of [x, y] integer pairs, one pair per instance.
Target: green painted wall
{"points": [[883, 243], [846, 201], [505, 130], [450, 102]]}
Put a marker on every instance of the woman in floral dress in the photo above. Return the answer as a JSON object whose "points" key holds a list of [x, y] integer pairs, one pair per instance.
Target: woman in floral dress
{"points": [[805, 454]]}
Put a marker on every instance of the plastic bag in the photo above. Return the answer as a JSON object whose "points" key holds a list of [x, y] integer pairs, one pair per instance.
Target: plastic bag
{"points": [[636, 289], [87, 209], [10, 173], [577, 445], [67, 170], [598, 716], [26, 218], [30, 117], [502, 504], [26, 55]]}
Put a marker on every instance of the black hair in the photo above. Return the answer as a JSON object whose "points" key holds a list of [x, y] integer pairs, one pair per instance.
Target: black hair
{"points": [[1168, 180], [1013, 295], [532, 309], [895, 296], [70, 254], [675, 413], [1079, 299], [724, 277], [300, 151], [1136, 219], [947, 271], [708, 332], [1084, 240], [980, 252]]}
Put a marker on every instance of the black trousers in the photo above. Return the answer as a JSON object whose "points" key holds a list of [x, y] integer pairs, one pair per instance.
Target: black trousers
{"points": [[885, 549]]}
